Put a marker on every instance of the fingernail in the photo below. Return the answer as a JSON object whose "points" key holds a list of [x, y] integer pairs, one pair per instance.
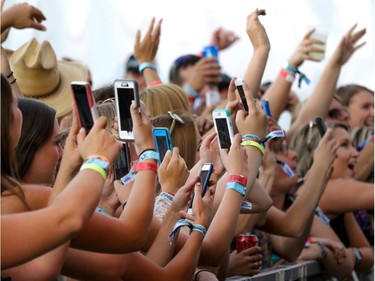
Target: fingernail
{"points": [[133, 104]]}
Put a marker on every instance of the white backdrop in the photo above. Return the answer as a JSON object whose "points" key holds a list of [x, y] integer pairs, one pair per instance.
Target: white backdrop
{"points": [[101, 33]]}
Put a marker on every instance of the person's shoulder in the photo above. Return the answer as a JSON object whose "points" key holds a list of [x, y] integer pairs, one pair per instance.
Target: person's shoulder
{"points": [[33, 197]]}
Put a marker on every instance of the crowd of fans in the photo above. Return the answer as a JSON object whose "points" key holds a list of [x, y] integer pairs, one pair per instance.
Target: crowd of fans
{"points": [[306, 195]]}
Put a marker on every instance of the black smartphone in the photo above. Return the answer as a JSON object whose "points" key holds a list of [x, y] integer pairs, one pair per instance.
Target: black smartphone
{"points": [[84, 103], [239, 86], [122, 162], [321, 126], [204, 178], [125, 92]]}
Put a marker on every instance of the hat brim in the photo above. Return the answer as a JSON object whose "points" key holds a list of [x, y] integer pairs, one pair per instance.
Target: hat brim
{"points": [[61, 99]]}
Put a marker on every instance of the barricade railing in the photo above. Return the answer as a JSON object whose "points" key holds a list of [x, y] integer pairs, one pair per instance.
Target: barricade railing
{"points": [[307, 270]]}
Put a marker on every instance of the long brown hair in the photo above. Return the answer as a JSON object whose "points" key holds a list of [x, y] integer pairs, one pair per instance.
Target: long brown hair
{"points": [[9, 176]]}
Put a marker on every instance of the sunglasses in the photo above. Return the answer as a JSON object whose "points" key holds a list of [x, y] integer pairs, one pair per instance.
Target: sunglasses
{"points": [[336, 113]]}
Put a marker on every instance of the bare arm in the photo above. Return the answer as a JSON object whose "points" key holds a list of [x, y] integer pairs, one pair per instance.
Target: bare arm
{"points": [[259, 39], [320, 99]]}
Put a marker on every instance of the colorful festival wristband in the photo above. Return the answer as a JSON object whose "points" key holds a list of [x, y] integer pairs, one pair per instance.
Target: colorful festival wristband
{"points": [[145, 166], [236, 187], [240, 179], [255, 144]]}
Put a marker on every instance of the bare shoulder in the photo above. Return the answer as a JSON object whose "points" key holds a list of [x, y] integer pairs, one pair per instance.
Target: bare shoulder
{"points": [[347, 182], [35, 197]]}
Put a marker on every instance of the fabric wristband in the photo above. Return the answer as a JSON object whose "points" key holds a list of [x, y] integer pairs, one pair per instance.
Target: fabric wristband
{"points": [[145, 65], [176, 229], [251, 137], [100, 210], [154, 83], [240, 179], [255, 144], [167, 195], [105, 159], [358, 256], [236, 187], [190, 91], [286, 75], [145, 166], [149, 154], [295, 71], [200, 228], [94, 167]]}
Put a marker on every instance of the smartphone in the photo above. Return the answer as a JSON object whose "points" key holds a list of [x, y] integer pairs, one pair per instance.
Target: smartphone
{"points": [[212, 98], [239, 86], [125, 92], [163, 141], [204, 178], [223, 127], [84, 103], [122, 162], [266, 107], [321, 126]]}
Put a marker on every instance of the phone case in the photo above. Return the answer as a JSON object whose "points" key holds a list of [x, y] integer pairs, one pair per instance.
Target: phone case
{"points": [[204, 176], [84, 103], [163, 141], [125, 92], [223, 127]]}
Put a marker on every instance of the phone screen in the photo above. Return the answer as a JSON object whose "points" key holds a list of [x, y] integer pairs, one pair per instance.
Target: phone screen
{"points": [[162, 146], [122, 162], [204, 178], [125, 97], [83, 106], [223, 132]]}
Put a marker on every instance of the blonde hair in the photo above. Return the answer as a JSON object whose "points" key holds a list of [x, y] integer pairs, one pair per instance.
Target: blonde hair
{"points": [[107, 108], [165, 97], [184, 136], [305, 141]]}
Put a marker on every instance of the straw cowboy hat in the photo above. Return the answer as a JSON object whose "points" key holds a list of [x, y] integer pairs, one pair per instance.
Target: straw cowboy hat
{"points": [[41, 76]]}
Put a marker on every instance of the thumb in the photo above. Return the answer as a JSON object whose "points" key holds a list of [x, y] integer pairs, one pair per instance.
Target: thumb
{"points": [[81, 135]]}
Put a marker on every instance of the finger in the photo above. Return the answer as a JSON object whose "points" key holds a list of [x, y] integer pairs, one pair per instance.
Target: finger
{"points": [[350, 31], [136, 116], [100, 123], [74, 129], [38, 26], [137, 39], [359, 46], [187, 216], [158, 29], [236, 141], [166, 160], [81, 135], [150, 27], [250, 98], [232, 90], [208, 140]]}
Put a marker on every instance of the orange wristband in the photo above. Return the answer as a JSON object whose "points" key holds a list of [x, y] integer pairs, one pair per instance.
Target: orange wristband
{"points": [[98, 156]]}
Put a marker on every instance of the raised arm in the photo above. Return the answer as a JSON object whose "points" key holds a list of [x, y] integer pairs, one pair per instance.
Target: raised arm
{"points": [[261, 48], [321, 98], [145, 51]]}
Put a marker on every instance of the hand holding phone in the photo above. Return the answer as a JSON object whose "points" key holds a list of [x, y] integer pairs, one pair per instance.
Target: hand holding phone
{"points": [[239, 86], [163, 141], [223, 127], [84, 103], [204, 178], [125, 92], [122, 162]]}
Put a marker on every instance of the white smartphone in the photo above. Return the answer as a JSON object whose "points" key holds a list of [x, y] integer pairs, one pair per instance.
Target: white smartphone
{"points": [[125, 92], [223, 127], [85, 104]]}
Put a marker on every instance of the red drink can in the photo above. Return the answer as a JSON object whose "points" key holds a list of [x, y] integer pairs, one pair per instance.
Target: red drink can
{"points": [[245, 241]]}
